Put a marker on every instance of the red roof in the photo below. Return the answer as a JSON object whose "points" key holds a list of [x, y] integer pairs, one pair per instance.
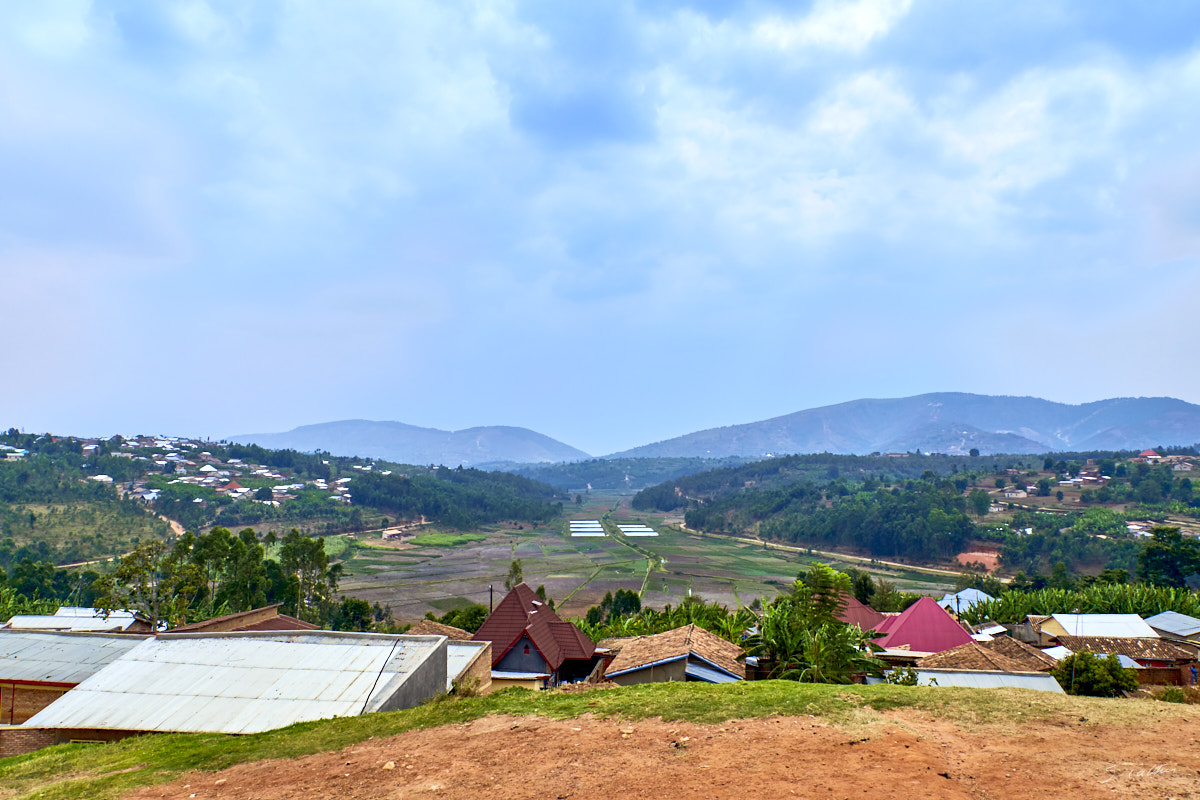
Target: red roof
{"points": [[855, 613], [233, 485], [924, 626], [522, 613], [1149, 454]]}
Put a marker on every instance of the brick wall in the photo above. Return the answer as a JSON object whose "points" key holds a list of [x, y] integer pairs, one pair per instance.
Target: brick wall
{"points": [[20, 701], [15, 741]]}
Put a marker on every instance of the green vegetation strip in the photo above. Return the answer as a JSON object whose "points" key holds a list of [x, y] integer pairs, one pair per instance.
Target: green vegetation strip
{"points": [[448, 539], [110, 771]]}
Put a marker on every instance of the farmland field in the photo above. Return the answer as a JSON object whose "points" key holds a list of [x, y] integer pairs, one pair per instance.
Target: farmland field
{"points": [[436, 572]]}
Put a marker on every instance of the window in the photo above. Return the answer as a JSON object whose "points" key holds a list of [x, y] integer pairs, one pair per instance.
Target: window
{"points": [[526, 649]]}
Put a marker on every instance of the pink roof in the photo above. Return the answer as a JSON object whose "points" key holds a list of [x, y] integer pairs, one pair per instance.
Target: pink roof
{"points": [[856, 613], [924, 626]]}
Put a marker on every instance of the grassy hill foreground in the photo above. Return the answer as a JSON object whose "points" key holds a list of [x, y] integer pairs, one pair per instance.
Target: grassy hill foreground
{"points": [[769, 738]]}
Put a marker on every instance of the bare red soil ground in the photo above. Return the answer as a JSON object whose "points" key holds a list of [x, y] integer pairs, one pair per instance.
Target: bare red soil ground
{"points": [[910, 755]]}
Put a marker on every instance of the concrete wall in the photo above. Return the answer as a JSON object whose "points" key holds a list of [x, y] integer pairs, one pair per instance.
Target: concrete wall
{"points": [[517, 660], [426, 680], [672, 671], [20, 701]]}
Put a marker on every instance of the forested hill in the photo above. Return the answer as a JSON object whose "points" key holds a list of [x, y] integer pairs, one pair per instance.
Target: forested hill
{"points": [[949, 422], [409, 444], [461, 498]]}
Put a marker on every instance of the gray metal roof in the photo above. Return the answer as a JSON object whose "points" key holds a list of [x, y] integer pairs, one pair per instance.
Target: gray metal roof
{"points": [[1113, 625], [1175, 624], [73, 619], [980, 679], [59, 657], [245, 682]]}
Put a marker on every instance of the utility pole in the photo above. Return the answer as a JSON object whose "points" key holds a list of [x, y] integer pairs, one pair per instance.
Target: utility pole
{"points": [[489, 598]]}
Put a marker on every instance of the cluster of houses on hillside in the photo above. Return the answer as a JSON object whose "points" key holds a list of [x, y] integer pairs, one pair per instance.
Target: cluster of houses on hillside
{"points": [[79, 675]]}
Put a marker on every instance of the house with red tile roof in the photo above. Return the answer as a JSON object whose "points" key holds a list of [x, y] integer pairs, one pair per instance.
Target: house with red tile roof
{"points": [[530, 643], [856, 613]]}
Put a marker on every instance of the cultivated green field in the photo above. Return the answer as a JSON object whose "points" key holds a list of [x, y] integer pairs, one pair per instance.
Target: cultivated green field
{"points": [[416, 576]]}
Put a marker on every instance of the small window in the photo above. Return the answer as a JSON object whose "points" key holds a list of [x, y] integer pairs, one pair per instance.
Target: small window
{"points": [[526, 649]]}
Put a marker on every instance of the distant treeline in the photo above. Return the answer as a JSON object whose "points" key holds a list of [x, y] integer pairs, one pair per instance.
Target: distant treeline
{"points": [[459, 498], [618, 475]]}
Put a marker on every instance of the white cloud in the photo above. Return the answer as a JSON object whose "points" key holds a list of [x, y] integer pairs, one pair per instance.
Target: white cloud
{"points": [[834, 25]]}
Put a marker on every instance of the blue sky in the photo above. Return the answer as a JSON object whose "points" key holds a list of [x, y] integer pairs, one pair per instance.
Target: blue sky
{"points": [[610, 222]]}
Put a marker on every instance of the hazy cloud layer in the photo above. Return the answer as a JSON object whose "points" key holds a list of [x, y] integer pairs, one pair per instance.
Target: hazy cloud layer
{"points": [[610, 222]]}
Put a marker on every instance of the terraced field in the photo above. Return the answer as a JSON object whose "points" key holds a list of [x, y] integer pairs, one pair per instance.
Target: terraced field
{"points": [[417, 577]]}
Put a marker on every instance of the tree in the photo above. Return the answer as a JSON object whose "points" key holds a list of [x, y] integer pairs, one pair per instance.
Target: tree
{"points": [[354, 614], [973, 452], [819, 595], [154, 580], [980, 501], [1168, 559], [264, 493], [1058, 495], [305, 562], [1087, 674], [514, 574]]}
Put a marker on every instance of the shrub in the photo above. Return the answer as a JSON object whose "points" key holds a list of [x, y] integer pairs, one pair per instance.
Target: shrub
{"points": [[1088, 674]]}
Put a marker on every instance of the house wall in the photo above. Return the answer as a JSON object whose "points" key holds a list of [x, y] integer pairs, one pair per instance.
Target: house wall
{"points": [[516, 660], [478, 674], [1165, 676], [17, 740], [661, 673], [427, 680], [521, 683], [20, 701]]}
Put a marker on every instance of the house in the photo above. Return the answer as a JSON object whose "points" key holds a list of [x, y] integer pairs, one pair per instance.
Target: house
{"points": [[428, 627], [974, 656], [267, 618], [924, 626], [38, 667], [532, 646], [1030, 658], [855, 613], [246, 683], [1152, 652], [468, 665], [689, 653], [1123, 626], [961, 601], [70, 618], [1148, 457], [1180, 629]]}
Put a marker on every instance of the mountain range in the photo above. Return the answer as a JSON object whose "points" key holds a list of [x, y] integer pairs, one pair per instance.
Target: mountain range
{"points": [[945, 422], [409, 444]]}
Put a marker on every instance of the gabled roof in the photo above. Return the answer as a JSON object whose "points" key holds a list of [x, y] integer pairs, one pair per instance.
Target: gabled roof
{"points": [[923, 626], [57, 656], [522, 613], [1173, 623], [428, 627], [971, 655], [1145, 648], [641, 651], [250, 682], [73, 618], [266, 618], [1111, 625], [962, 600], [855, 613]]}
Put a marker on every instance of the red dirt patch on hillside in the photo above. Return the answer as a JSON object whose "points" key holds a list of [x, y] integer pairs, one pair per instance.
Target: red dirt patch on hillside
{"points": [[911, 756]]}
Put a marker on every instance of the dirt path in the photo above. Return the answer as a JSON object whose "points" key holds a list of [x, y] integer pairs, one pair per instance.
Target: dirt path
{"points": [[909, 756]]}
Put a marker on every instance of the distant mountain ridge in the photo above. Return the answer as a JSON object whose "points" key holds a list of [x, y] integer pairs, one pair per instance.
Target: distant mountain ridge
{"points": [[410, 444], [947, 422]]}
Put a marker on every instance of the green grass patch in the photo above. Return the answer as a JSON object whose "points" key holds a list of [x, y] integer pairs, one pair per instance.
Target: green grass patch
{"points": [[109, 771], [448, 539]]}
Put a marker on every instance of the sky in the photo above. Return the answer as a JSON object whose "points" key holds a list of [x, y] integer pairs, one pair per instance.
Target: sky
{"points": [[610, 222]]}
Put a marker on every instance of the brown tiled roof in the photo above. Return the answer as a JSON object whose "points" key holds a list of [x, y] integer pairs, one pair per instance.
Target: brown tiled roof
{"points": [[266, 618], [640, 651], [1145, 648], [428, 627], [521, 612], [972, 655], [1033, 659]]}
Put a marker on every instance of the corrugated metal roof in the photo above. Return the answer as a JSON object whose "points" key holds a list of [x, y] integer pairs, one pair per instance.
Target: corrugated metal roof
{"points": [[1175, 624], [241, 682], [92, 620], [1113, 625], [59, 657], [978, 679], [700, 672]]}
